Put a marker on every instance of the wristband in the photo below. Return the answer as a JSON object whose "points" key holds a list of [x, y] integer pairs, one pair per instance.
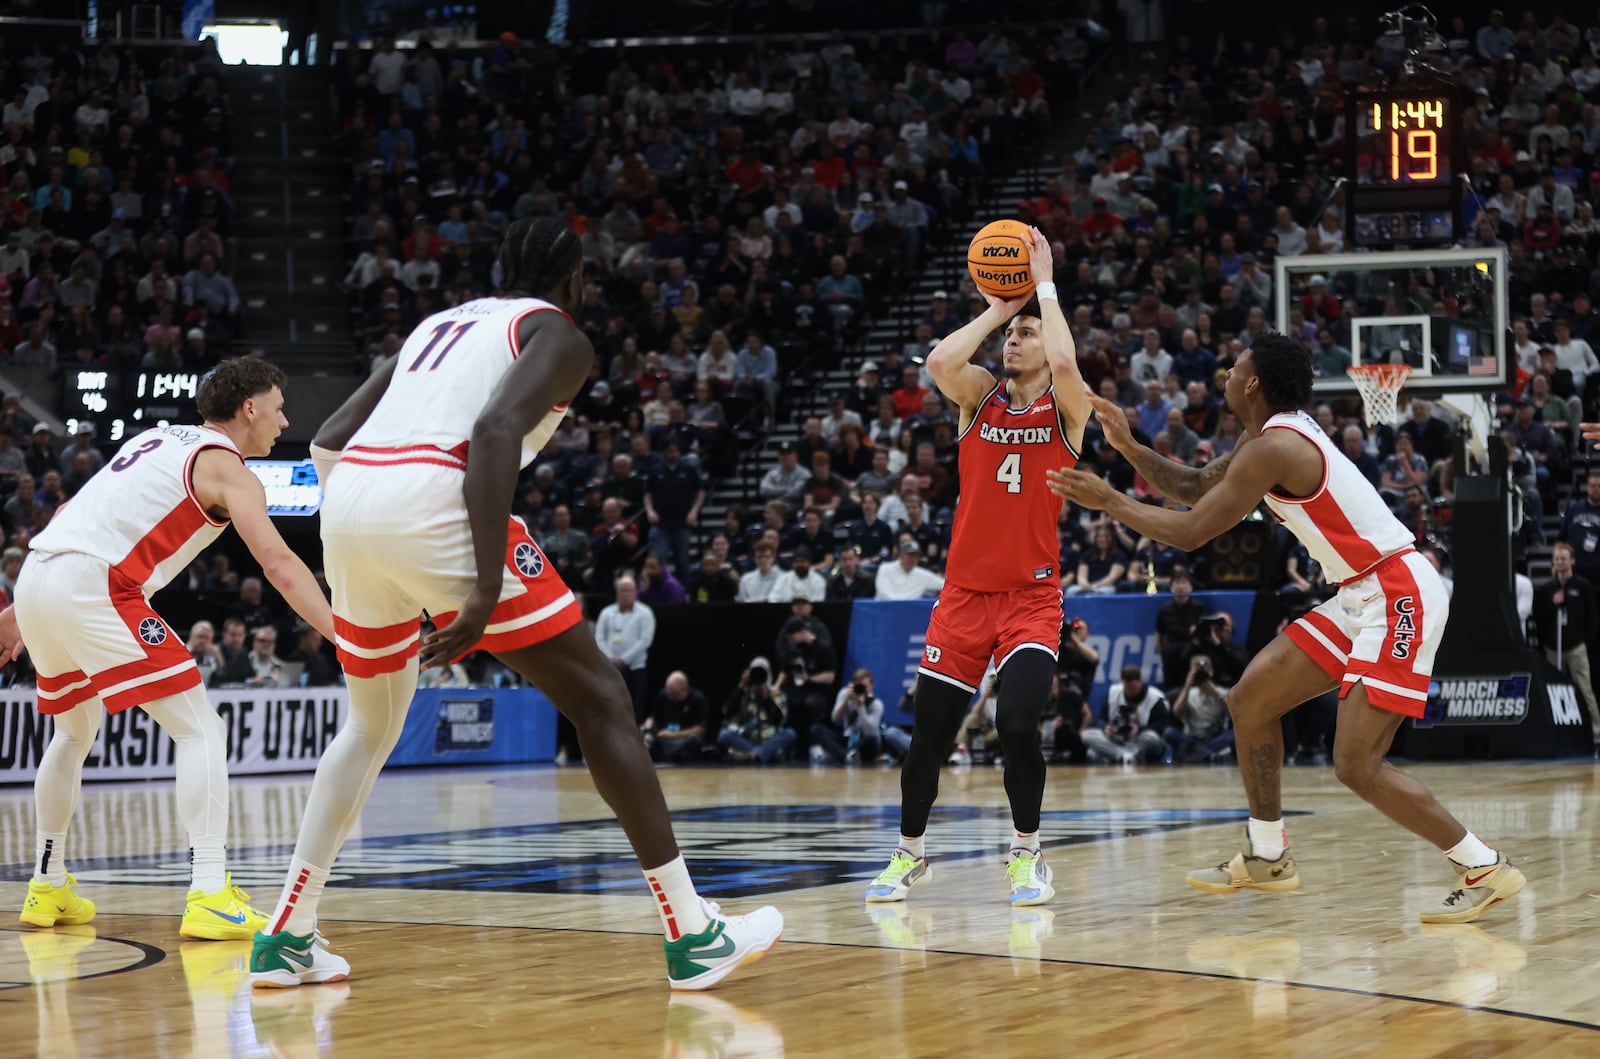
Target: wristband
{"points": [[1046, 291]]}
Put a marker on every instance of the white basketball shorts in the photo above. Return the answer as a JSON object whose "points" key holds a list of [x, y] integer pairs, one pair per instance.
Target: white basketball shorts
{"points": [[1381, 630], [396, 542], [90, 631]]}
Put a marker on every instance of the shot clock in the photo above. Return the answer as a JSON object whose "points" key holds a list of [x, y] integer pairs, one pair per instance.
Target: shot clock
{"points": [[1402, 168]]}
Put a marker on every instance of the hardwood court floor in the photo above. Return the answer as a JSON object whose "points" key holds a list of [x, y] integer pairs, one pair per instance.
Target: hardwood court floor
{"points": [[497, 913]]}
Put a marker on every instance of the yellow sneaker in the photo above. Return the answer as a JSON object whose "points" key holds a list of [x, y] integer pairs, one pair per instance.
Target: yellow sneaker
{"points": [[225, 915], [1478, 890], [55, 906]]}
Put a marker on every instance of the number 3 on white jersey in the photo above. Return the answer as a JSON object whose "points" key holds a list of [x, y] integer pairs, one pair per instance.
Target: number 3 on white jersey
{"points": [[1010, 472]]}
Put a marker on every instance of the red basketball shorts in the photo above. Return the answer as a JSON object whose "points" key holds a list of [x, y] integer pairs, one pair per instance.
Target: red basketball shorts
{"points": [[90, 631], [1381, 630], [969, 628], [396, 542]]}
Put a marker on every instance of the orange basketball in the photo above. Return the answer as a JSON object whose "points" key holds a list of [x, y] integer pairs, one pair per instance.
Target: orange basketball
{"points": [[997, 257]]}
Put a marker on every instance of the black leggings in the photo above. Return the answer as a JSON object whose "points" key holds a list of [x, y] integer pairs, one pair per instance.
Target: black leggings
{"points": [[939, 708]]}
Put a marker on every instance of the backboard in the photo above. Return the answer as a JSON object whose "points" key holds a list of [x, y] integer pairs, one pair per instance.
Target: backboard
{"points": [[1444, 312]]}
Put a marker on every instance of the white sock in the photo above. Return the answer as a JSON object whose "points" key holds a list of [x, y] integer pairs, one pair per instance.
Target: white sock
{"points": [[297, 905], [56, 786], [1029, 841], [208, 863], [50, 858], [1471, 852], [912, 846], [1268, 838], [677, 903], [345, 775]]}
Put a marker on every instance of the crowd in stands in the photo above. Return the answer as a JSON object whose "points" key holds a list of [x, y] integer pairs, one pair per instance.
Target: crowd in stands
{"points": [[116, 167], [112, 239], [1165, 224], [743, 213]]}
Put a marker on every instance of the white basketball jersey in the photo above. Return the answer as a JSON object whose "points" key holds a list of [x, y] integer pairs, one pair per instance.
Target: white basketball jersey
{"points": [[1345, 524], [447, 372], [139, 515]]}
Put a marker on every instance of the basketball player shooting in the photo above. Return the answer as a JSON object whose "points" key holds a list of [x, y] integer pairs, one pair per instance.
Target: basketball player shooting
{"points": [[421, 464], [1002, 593], [83, 609], [1374, 641]]}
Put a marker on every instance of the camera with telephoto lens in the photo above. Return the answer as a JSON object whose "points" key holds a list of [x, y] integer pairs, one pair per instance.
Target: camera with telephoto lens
{"points": [[759, 675], [859, 688]]}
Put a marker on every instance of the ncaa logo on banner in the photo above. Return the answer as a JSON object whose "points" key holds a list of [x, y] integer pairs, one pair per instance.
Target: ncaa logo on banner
{"points": [[528, 560], [153, 632]]}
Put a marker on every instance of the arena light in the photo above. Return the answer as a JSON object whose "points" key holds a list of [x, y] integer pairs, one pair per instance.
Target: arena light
{"points": [[248, 43]]}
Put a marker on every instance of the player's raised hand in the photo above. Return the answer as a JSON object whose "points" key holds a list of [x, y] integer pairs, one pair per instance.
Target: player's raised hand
{"points": [[1114, 421], [1006, 307], [10, 636], [443, 646], [1081, 487], [1041, 259]]}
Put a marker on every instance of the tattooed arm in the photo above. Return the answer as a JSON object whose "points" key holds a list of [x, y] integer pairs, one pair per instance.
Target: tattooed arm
{"points": [[1184, 484]]}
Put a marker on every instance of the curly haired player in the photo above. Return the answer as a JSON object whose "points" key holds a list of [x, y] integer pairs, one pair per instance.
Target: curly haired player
{"points": [[1374, 641]]}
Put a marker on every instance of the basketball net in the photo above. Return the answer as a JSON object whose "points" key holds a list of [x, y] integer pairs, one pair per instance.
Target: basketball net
{"points": [[1380, 386]]}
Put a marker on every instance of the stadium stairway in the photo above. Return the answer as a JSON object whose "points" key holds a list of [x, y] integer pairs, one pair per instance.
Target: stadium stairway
{"points": [[287, 221]]}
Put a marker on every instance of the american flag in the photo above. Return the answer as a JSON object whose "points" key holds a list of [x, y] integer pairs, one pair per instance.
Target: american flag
{"points": [[1482, 366]]}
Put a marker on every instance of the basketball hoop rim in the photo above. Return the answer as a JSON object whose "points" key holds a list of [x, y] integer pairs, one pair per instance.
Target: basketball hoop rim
{"points": [[1379, 386], [1382, 375]]}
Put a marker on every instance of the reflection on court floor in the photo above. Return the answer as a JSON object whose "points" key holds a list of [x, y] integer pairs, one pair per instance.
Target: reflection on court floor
{"points": [[499, 912]]}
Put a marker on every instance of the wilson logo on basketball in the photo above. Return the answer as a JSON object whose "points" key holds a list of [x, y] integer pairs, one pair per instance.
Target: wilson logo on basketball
{"points": [[1003, 277], [1002, 251]]}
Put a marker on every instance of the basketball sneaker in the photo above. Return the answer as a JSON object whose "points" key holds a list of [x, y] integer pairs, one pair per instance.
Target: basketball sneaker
{"points": [[284, 960], [55, 906], [225, 915], [1247, 872], [1029, 877], [1480, 889], [895, 881], [700, 961]]}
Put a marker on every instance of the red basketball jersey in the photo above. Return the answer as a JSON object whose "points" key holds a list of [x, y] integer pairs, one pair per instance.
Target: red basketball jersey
{"points": [[1005, 530]]}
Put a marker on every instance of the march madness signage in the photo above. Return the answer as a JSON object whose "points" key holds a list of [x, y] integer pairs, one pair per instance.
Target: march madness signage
{"points": [[1478, 700], [1527, 709], [269, 730]]}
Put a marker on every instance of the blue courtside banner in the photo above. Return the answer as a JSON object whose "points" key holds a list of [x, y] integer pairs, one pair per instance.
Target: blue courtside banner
{"points": [[477, 726], [887, 637]]}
